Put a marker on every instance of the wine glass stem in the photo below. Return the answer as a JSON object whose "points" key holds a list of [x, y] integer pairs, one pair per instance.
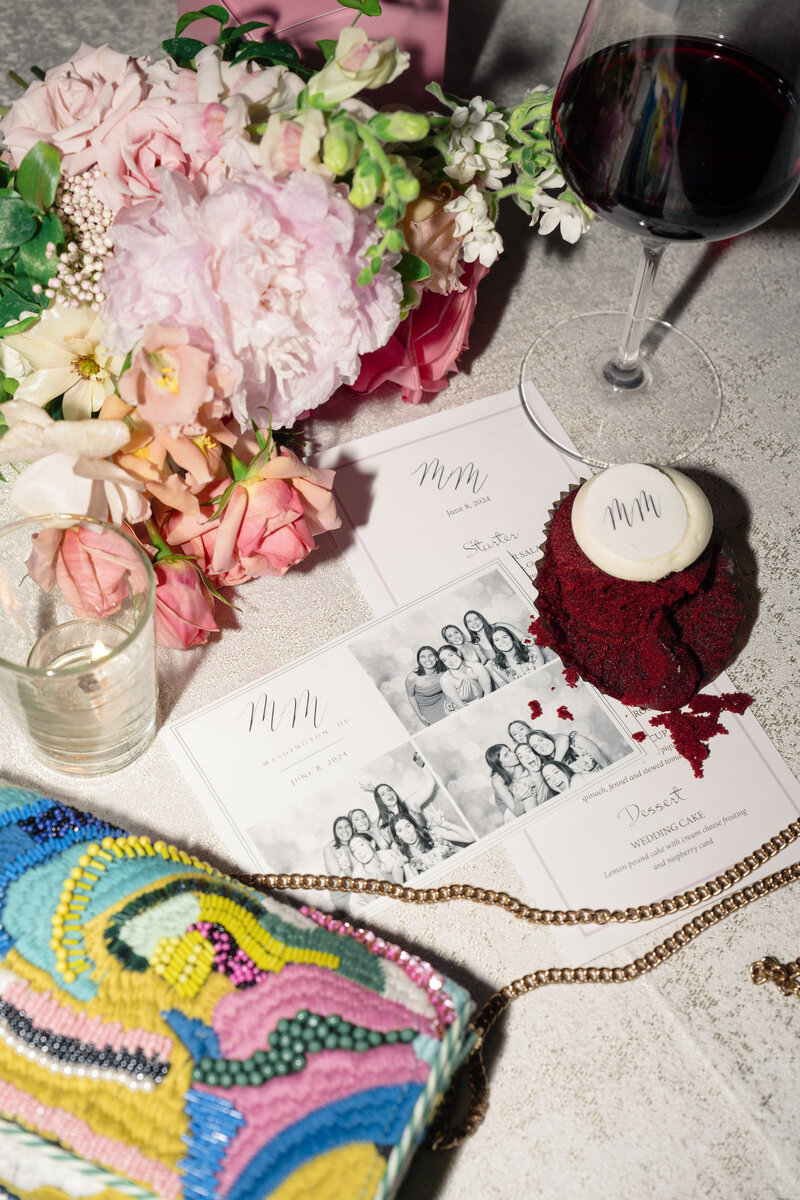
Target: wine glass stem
{"points": [[625, 370]]}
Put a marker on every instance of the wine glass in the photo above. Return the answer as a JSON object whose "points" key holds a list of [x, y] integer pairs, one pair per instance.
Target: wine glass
{"points": [[678, 121]]}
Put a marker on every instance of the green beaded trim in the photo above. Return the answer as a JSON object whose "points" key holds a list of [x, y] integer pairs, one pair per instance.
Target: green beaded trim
{"points": [[290, 1043]]}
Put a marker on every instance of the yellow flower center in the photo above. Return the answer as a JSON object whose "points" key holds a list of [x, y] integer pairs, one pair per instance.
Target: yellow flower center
{"points": [[86, 366], [168, 379], [167, 375], [204, 442]]}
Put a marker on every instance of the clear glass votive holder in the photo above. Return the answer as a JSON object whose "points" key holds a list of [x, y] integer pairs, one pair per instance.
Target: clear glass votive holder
{"points": [[77, 641]]}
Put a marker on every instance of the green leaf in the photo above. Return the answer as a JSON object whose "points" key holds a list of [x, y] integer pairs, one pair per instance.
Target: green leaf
{"points": [[239, 31], [5, 174], [17, 222], [328, 48], [215, 11], [410, 297], [182, 50], [38, 176], [32, 254], [412, 269], [275, 52], [366, 8], [11, 305]]}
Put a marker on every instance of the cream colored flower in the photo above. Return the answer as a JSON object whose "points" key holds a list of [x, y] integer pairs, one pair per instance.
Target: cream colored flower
{"points": [[357, 63], [69, 470], [63, 355]]}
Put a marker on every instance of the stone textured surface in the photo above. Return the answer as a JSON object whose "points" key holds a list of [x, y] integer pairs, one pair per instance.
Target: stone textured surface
{"points": [[683, 1085]]}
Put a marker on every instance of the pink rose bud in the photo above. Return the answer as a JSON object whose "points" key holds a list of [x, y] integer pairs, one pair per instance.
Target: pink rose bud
{"points": [[184, 606]]}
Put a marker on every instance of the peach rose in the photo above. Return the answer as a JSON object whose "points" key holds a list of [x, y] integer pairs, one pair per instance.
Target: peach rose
{"points": [[262, 531], [95, 569]]}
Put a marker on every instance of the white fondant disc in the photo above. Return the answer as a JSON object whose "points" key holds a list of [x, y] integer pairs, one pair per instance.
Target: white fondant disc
{"points": [[641, 523]]}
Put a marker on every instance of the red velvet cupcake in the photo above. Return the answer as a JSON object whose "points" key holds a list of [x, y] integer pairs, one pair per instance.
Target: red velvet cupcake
{"points": [[633, 593]]}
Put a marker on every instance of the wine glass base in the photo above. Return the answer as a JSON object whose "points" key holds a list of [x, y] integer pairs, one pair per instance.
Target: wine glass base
{"points": [[660, 419]]}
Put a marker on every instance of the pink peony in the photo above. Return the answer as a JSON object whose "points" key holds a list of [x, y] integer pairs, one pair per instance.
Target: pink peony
{"points": [[184, 606], [96, 569], [263, 274], [132, 153], [168, 381], [75, 107], [425, 347]]}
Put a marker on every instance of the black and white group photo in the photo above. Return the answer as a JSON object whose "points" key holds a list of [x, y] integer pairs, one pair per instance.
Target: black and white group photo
{"points": [[386, 820], [499, 762], [458, 646]]}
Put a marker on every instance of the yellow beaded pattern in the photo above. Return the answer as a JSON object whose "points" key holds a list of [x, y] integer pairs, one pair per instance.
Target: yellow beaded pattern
{"points": [[185, 962], [67, 921]]}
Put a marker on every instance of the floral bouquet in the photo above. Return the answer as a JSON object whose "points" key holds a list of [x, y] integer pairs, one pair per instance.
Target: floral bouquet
{"points": [[197, 252]]}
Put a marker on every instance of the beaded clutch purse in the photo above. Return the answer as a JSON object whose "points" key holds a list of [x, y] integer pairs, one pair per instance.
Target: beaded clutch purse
{"points": [[169, 1032]]}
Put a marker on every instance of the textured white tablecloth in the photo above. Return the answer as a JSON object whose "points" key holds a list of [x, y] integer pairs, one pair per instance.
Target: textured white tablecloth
{"points": [[684, 1085]]}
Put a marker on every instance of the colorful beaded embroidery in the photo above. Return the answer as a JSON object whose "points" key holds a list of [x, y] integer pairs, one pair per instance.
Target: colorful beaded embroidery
{"points": [[168, 1032]]}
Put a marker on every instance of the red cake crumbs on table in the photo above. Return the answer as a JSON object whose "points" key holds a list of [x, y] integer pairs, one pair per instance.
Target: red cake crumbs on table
{"points": [[571, 676], [692, 730], [563, 712], [639, 736], [536, 709], [652, 645]]}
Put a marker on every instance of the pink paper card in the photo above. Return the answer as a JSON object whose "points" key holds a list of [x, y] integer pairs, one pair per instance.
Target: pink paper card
{"points": [[420, 26]]}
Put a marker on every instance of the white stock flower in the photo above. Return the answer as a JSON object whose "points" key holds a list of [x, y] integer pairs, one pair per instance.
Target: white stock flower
{"points": [[477, 148], [475, 227], [552, 211], [63, 355]]}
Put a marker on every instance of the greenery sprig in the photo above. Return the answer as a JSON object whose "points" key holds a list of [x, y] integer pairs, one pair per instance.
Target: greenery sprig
{"points": [[27, 226]]}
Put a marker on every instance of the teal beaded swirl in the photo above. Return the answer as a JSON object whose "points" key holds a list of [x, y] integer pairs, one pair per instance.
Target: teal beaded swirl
{"points": [[292, 1040]]}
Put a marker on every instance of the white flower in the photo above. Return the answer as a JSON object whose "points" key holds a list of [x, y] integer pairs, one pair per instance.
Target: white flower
{"points": [[69, 471], [477, 148], [553, 211], [475, 227], [470, 209], [32, 433], [483, 244], [62, 354]]}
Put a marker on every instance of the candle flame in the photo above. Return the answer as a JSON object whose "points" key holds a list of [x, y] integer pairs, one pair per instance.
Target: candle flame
{"points": [[98, 650]]}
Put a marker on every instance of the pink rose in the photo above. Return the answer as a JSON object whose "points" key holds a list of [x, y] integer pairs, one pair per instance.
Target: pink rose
{"points": [[425, 347], [75, 106], [314, 486], [96, 569], [131, 153], [184, 606], [262, 531], [168, 381]]}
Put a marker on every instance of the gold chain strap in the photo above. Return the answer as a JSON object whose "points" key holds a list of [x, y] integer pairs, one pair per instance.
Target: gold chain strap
{"points": [[785, 976]]}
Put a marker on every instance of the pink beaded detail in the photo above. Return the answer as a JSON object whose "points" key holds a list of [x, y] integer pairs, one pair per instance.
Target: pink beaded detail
{"points": [[229, 959], [420, 972]]}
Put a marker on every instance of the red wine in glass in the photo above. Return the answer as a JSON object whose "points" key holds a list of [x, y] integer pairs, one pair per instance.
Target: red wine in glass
{"points": [[676, 120], [678, 138]]}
